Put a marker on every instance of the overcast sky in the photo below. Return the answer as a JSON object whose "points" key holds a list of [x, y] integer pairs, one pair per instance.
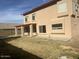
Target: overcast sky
{"points": [[11, 10]]}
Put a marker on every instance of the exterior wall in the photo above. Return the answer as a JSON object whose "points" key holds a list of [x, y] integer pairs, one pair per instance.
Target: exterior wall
{"points": [[51, 15], [75, 27], [75, 20], [64, 33], [69, 7]]}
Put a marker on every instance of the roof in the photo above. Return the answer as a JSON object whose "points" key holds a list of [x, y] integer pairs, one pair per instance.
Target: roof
{"points": [[24, 24], [52, 2], [7, 25]]}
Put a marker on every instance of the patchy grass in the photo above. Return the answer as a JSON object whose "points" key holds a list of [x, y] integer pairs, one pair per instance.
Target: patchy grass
{"points": [[46, 48]]}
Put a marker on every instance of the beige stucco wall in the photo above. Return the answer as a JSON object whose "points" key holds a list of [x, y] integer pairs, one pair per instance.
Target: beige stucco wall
{"points": [[75, 21], [66, 31], [49, 16], [75, 28]]}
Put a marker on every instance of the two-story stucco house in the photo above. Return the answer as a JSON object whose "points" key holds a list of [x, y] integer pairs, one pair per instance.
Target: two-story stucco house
{"points": [[56, 19]]}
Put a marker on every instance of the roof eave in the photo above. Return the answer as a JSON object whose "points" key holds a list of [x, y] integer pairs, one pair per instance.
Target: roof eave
{"points": [[41, 7]]}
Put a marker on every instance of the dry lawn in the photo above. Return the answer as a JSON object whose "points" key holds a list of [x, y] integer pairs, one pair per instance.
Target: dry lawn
{"points": [[46, 48]]}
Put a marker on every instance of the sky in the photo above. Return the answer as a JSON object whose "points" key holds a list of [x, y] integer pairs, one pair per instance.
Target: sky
{"points": [[11, 10]]}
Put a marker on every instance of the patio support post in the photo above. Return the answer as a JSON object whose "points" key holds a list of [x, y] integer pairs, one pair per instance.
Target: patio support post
{"points": [[22, 31], [16, 31], [31, 30]]}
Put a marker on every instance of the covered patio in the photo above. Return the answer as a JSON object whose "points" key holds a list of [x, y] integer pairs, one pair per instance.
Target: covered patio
{"points": [[26, 29]]}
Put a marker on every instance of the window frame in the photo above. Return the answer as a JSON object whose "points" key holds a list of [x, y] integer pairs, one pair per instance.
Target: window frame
{"points": [[26, 18], [62, 7], [33, 16], [57, 26], [42, 28]]}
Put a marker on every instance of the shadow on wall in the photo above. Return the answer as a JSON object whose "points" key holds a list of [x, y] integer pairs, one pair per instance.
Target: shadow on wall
{"points": [[8, 51]]}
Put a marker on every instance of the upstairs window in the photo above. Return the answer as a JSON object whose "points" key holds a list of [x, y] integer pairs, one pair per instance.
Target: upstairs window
{"points": [[26, 18], [33, 16], [62, 7], [56, 26], [42, 29]]}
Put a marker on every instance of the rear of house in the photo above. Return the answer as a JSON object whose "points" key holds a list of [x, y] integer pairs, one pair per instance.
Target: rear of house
{"points": [[56, 19]]}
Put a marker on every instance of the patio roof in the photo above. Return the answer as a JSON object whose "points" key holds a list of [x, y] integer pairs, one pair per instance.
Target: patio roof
{"points": [[24, 24]]}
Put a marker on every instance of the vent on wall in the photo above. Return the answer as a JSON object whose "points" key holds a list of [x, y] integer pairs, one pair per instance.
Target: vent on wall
{"points": [[73, 16], [63, 16]]}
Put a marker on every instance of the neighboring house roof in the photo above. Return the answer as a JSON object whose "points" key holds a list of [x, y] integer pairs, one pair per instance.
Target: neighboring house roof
{"points": [[7, 25], [52, 2]]}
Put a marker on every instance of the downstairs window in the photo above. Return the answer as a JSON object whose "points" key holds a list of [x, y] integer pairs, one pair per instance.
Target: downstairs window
{"points": [[56, 26], [42, 29]]}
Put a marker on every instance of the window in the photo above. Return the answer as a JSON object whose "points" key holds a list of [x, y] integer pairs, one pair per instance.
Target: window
{"points": [[26, 18], [34, 28], [57, 26], [42, 29], [26, 29], [76, 7], [33, 16], [62, 7]]}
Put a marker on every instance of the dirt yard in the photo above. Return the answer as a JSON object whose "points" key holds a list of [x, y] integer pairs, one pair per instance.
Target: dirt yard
{"points": [[46, 48]]}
